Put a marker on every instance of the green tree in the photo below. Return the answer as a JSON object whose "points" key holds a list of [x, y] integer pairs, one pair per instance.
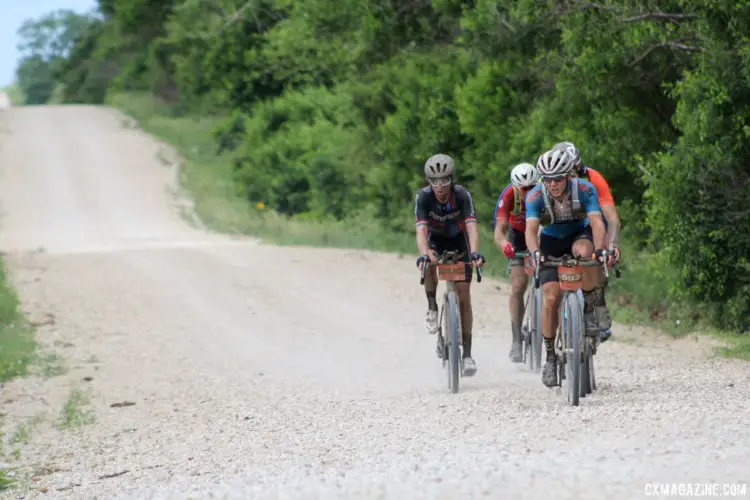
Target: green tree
{"points": [[45, 43], [332, 106]]}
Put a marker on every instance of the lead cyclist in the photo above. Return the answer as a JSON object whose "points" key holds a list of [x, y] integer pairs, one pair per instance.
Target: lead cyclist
{"points": [[611, 223], [446, 220]]}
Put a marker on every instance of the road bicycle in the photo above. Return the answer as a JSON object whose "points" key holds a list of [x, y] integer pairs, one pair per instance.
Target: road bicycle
{"points": [[575, 346], [450, 268]]}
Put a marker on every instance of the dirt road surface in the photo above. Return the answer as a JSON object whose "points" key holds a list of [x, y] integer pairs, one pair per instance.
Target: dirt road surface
{"points": [[264, 372]]}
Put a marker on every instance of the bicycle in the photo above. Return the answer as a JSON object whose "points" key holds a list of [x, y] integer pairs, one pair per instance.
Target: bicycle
{"points": [[450, 268], [531, 324], [575, 357]]}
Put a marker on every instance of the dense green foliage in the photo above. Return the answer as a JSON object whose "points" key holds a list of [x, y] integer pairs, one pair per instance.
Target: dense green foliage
{"points": [[332, 106]]}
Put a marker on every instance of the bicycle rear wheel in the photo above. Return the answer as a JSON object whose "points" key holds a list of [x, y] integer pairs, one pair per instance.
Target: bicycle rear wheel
{"points": [[585, 375], [452, 340], [573, 332], [592, 374]]}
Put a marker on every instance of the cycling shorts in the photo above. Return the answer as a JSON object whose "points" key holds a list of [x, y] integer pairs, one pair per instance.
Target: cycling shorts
{"points": [[557, 247]]}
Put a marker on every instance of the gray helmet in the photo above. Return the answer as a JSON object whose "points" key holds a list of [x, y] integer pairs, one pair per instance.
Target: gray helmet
{"points": [[438, 165], [554, 162], [571, 149]]}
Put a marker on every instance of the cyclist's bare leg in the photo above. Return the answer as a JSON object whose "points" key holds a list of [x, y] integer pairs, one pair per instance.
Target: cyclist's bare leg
{"points": [[430, 289], [591, 287], [550, 309], [602, 312], [550, 319], [519, 282], [463, 290]]}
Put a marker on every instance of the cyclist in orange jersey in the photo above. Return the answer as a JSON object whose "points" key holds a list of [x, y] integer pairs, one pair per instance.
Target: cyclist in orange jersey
{"points": [[611, 222]]}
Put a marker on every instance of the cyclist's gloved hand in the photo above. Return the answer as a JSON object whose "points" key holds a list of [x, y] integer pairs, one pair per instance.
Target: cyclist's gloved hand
{"points": [[477, 257], [421, 260], [535, 257], [615, 254], [508, 250], [600, 256]]}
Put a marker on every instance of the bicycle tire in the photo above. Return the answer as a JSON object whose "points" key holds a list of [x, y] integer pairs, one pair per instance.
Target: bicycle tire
{"points": [[454, 351], [574, 334], [536, 335]]}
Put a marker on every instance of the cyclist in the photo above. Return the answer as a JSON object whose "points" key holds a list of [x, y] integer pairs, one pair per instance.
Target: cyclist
{"points": [[446, 220], [568, 210], [611, 223], [510, 219]]}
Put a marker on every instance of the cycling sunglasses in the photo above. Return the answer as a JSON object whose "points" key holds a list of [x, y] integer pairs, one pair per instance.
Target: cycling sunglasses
{"points": [[556, 178], [441, 181]]}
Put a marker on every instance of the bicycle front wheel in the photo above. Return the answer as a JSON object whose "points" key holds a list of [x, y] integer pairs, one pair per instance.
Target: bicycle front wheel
{"points": [[452, 340], [573, 317]]}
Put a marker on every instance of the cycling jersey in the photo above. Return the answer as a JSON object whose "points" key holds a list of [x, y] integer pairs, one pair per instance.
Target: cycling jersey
{"points": [[511, 205], [600, 183], [567, 221], [445, 220], [602, 189]]}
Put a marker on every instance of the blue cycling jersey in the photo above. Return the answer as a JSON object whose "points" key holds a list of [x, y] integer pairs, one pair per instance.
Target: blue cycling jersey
{"points": [[567, 223]]}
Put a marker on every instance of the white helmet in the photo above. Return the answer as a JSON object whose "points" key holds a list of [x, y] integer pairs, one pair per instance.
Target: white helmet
{"points": [[571, 149], [438, 165], [523, 175], [555, 162]]}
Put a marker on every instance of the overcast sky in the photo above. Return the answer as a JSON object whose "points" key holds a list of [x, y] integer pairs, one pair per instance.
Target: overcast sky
{"points": [[13, 14]]}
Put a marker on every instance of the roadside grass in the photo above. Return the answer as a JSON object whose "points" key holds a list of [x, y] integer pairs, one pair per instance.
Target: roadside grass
{"points": [[23, 431], [77, 411], [17, 345], [638, 297], [16, 95]]}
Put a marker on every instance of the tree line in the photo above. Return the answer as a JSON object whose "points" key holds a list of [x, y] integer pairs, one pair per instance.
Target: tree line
{"points": [[332, 106]]}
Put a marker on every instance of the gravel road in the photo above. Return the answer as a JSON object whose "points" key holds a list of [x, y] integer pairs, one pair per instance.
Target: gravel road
{"points": [[258, 371]]}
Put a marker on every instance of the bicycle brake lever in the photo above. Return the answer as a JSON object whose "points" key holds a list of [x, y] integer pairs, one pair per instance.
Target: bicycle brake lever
{"points": [[605, 255]]}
